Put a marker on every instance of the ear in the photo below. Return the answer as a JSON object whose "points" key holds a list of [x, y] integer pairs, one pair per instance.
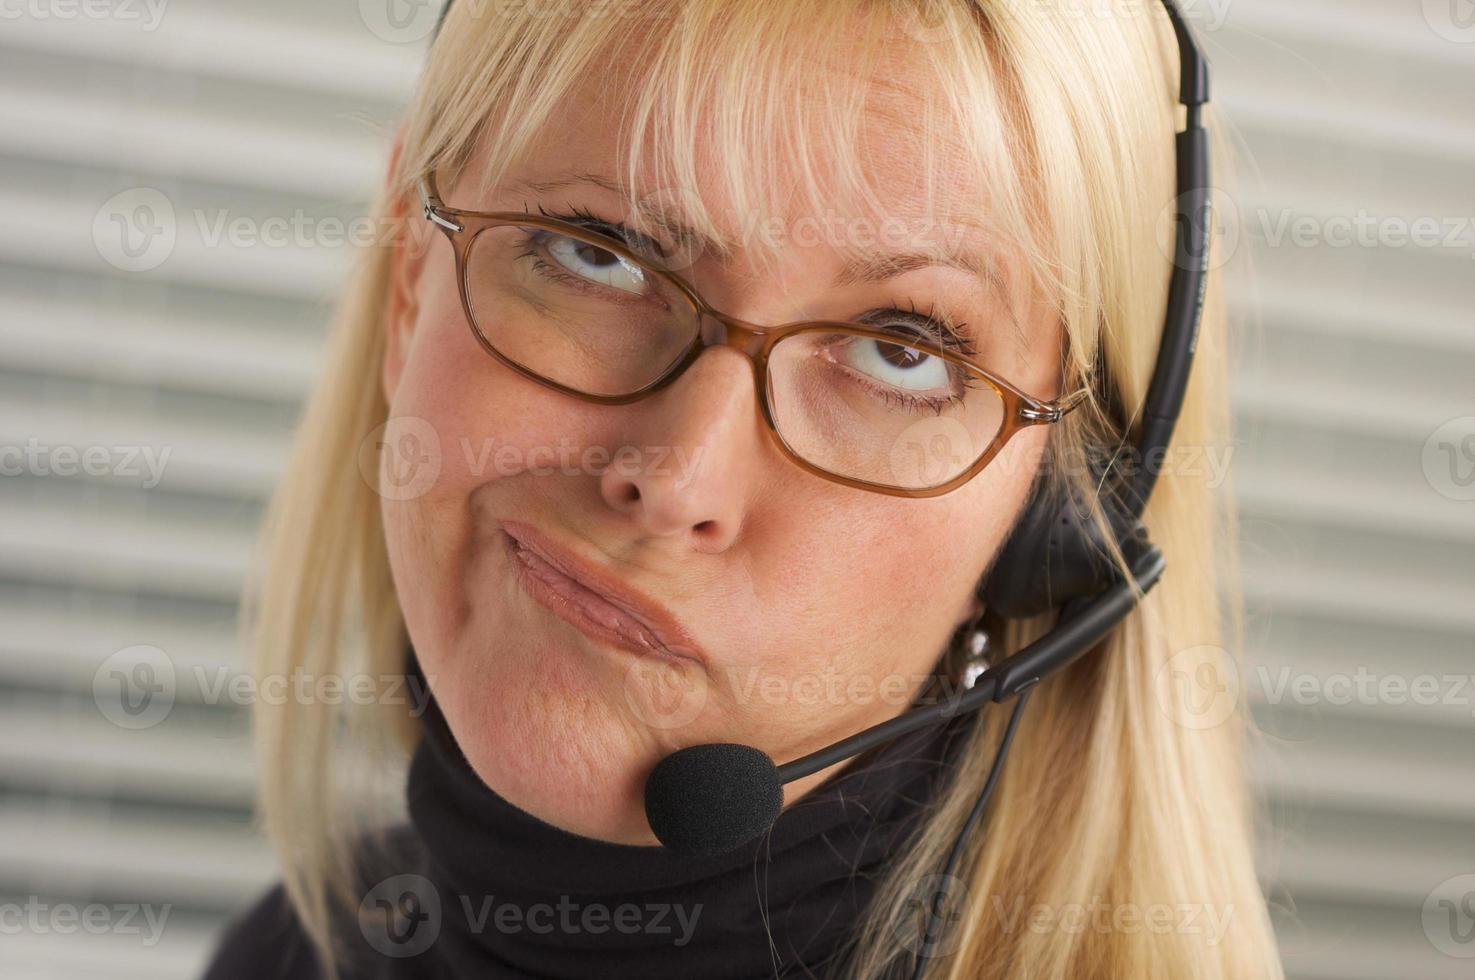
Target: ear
{"points": [[407, 246]]}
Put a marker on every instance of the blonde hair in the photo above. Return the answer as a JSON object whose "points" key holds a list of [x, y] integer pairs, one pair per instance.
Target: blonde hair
{"points": [[1112, 801]]}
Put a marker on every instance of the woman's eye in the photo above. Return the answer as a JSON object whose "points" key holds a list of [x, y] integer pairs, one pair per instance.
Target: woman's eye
{"points": [[896, 364], [596, 264]]}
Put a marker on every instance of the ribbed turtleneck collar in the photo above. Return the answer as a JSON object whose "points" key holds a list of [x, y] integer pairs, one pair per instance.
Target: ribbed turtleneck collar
{"points": [[520, 898]]}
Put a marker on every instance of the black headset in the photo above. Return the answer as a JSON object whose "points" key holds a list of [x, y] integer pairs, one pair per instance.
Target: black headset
{"points": [[1055, 554], [708, 799]]}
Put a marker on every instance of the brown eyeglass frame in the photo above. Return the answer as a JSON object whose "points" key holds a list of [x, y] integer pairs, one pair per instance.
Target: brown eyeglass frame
{"points": [[754, 340]]}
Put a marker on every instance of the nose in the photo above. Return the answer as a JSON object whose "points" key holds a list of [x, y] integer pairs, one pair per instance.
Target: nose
{"points": [[696, 453]]}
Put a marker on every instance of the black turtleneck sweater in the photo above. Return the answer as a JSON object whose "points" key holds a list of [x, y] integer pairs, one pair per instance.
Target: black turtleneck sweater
{"points": [[473, 886]]}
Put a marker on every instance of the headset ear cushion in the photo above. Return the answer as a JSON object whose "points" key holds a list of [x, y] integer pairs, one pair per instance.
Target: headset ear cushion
{"points": [[1057, 553]]}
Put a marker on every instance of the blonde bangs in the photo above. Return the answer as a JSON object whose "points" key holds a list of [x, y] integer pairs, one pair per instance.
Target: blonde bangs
{"points": [[708, 100]]}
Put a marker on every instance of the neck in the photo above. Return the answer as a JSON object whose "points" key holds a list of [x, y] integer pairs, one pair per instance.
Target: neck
{"points": [[520, 897]]}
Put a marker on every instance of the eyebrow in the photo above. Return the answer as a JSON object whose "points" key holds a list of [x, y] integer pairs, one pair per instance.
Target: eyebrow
{"points": [[869, 270]]}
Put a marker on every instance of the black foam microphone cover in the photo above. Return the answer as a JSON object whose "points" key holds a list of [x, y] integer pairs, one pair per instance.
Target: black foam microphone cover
{"points": [[710, 799]]}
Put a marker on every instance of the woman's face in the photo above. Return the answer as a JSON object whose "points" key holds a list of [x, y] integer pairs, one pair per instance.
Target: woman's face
{"points": [[589, 587]]}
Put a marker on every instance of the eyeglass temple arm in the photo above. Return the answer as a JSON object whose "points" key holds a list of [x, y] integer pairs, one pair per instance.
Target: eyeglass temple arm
{"points": [[433, 206], [1054, 411]]}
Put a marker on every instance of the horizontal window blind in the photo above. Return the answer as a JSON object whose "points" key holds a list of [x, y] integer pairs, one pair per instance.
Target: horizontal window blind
{"points": [[183, 379]]}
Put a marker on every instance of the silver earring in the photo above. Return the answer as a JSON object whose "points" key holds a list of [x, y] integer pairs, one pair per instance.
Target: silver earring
{"points": [[977, 659]]}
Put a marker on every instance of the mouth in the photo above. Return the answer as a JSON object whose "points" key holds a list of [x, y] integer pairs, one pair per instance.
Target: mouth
{"points": [[594, 601]]}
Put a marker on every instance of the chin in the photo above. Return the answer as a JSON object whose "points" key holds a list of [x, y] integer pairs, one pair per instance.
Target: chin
{"points": [[557, 724], [562, 766]]}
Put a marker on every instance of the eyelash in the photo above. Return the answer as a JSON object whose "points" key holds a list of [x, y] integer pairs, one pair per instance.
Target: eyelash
{"points": [[925, 324]]}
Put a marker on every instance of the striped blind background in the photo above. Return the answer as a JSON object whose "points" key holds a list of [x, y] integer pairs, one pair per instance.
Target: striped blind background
{"points": [[148, 389]]}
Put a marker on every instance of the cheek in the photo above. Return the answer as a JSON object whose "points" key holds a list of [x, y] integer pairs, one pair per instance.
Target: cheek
{"points": [[869, 596], [510, 692], [918, 560], [488, 421], [460, 423]]}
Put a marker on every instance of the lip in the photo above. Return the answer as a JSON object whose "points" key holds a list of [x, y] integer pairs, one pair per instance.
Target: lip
{"points": [[595, 600]]}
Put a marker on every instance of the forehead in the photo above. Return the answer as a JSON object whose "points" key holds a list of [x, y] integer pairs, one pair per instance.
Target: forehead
{"points": [[892, 185], [803, 199]]}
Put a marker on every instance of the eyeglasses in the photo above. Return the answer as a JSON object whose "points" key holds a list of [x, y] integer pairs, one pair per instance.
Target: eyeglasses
{"points": [[889, 410]]}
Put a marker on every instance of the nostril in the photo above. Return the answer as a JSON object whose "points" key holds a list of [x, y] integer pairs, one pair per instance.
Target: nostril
{"points": [[625, 492]]}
